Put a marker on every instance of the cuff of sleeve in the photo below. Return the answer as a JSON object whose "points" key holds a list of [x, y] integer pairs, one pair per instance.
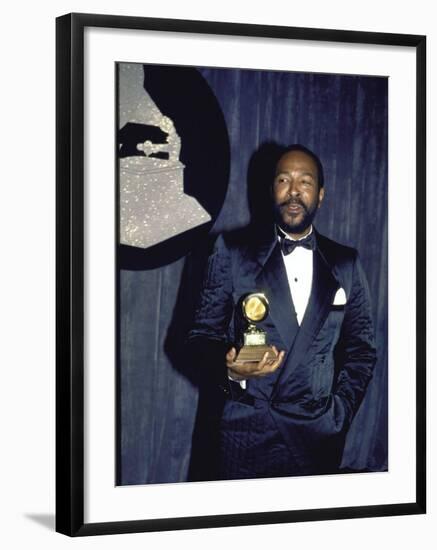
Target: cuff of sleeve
{"points": [[241, 382]]}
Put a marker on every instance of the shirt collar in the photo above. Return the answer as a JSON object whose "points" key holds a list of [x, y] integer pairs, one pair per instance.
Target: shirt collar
{"points": [[283, 234]]}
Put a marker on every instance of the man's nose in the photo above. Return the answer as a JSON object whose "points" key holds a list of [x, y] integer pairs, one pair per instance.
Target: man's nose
{"points": [[293, 189]]}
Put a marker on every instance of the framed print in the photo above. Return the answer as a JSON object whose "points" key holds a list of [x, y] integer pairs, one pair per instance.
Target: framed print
{"points": [[240, 274]]}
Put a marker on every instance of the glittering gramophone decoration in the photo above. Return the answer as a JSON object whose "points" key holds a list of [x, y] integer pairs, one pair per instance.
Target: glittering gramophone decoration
{"points": [[255, 308], [153, 205]]}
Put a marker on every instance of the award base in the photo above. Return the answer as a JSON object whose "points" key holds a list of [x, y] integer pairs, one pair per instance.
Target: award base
{"points": [[254, 353]]}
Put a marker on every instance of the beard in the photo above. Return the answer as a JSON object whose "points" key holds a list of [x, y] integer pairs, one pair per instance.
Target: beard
{"points": [[303, 220]]}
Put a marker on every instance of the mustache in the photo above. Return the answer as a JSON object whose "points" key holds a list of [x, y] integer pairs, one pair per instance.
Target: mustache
{"points": [[291, 202]]}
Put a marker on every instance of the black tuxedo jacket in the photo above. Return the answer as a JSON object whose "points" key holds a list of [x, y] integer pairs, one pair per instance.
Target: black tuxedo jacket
{"points": [[294, 421]]}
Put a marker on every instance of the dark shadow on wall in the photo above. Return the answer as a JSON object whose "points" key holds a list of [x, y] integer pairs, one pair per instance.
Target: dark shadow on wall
{"points": [[45, 520], [260, 176]]}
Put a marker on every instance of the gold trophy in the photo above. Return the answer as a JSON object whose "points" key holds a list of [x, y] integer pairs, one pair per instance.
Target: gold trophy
{"points": [[255, 308]]}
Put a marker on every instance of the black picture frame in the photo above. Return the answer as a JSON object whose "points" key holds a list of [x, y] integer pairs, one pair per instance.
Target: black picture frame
{"points": [[70, 272]]}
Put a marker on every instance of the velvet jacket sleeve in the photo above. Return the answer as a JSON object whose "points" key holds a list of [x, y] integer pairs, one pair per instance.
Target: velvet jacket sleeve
{"points": [[209, 338]]}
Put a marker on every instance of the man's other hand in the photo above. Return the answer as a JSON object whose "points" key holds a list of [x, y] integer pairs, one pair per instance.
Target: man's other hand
{"points": [[252, 369]]}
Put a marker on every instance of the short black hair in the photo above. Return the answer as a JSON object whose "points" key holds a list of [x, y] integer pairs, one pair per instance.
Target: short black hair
{"points": [[303, 149]]}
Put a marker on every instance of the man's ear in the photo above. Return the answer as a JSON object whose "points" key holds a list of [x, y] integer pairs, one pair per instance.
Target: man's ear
{"points": [[321, 196]]}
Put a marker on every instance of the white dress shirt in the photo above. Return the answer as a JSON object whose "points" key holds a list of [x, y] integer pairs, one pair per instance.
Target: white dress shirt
{"points": [[299, 269]]}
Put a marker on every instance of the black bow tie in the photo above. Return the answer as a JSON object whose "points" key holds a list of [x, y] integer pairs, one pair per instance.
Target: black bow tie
{"points": [[288, 245]]}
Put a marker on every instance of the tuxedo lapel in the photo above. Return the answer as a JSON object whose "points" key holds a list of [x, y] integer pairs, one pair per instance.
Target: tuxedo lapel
{"points": [[324, 286], [272, 278]]}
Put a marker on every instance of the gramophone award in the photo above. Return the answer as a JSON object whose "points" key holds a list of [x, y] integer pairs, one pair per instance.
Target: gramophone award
{"points": [[255, 308]]}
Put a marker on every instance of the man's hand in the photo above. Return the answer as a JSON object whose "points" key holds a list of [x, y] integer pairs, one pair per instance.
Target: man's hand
{"points": [[252, 369]]}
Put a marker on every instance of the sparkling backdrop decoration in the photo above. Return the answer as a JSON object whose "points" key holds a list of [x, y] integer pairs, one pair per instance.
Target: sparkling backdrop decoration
{"points": [[153, 205]]}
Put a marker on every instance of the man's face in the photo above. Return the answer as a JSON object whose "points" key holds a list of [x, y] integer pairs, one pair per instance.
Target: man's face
{"points": [[296, 193]]}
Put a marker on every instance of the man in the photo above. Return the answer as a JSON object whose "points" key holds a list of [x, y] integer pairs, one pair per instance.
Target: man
{"points": [[287, 415]]}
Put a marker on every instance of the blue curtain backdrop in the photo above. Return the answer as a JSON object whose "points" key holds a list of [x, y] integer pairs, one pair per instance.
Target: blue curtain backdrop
{"points": [[344, 120]]}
